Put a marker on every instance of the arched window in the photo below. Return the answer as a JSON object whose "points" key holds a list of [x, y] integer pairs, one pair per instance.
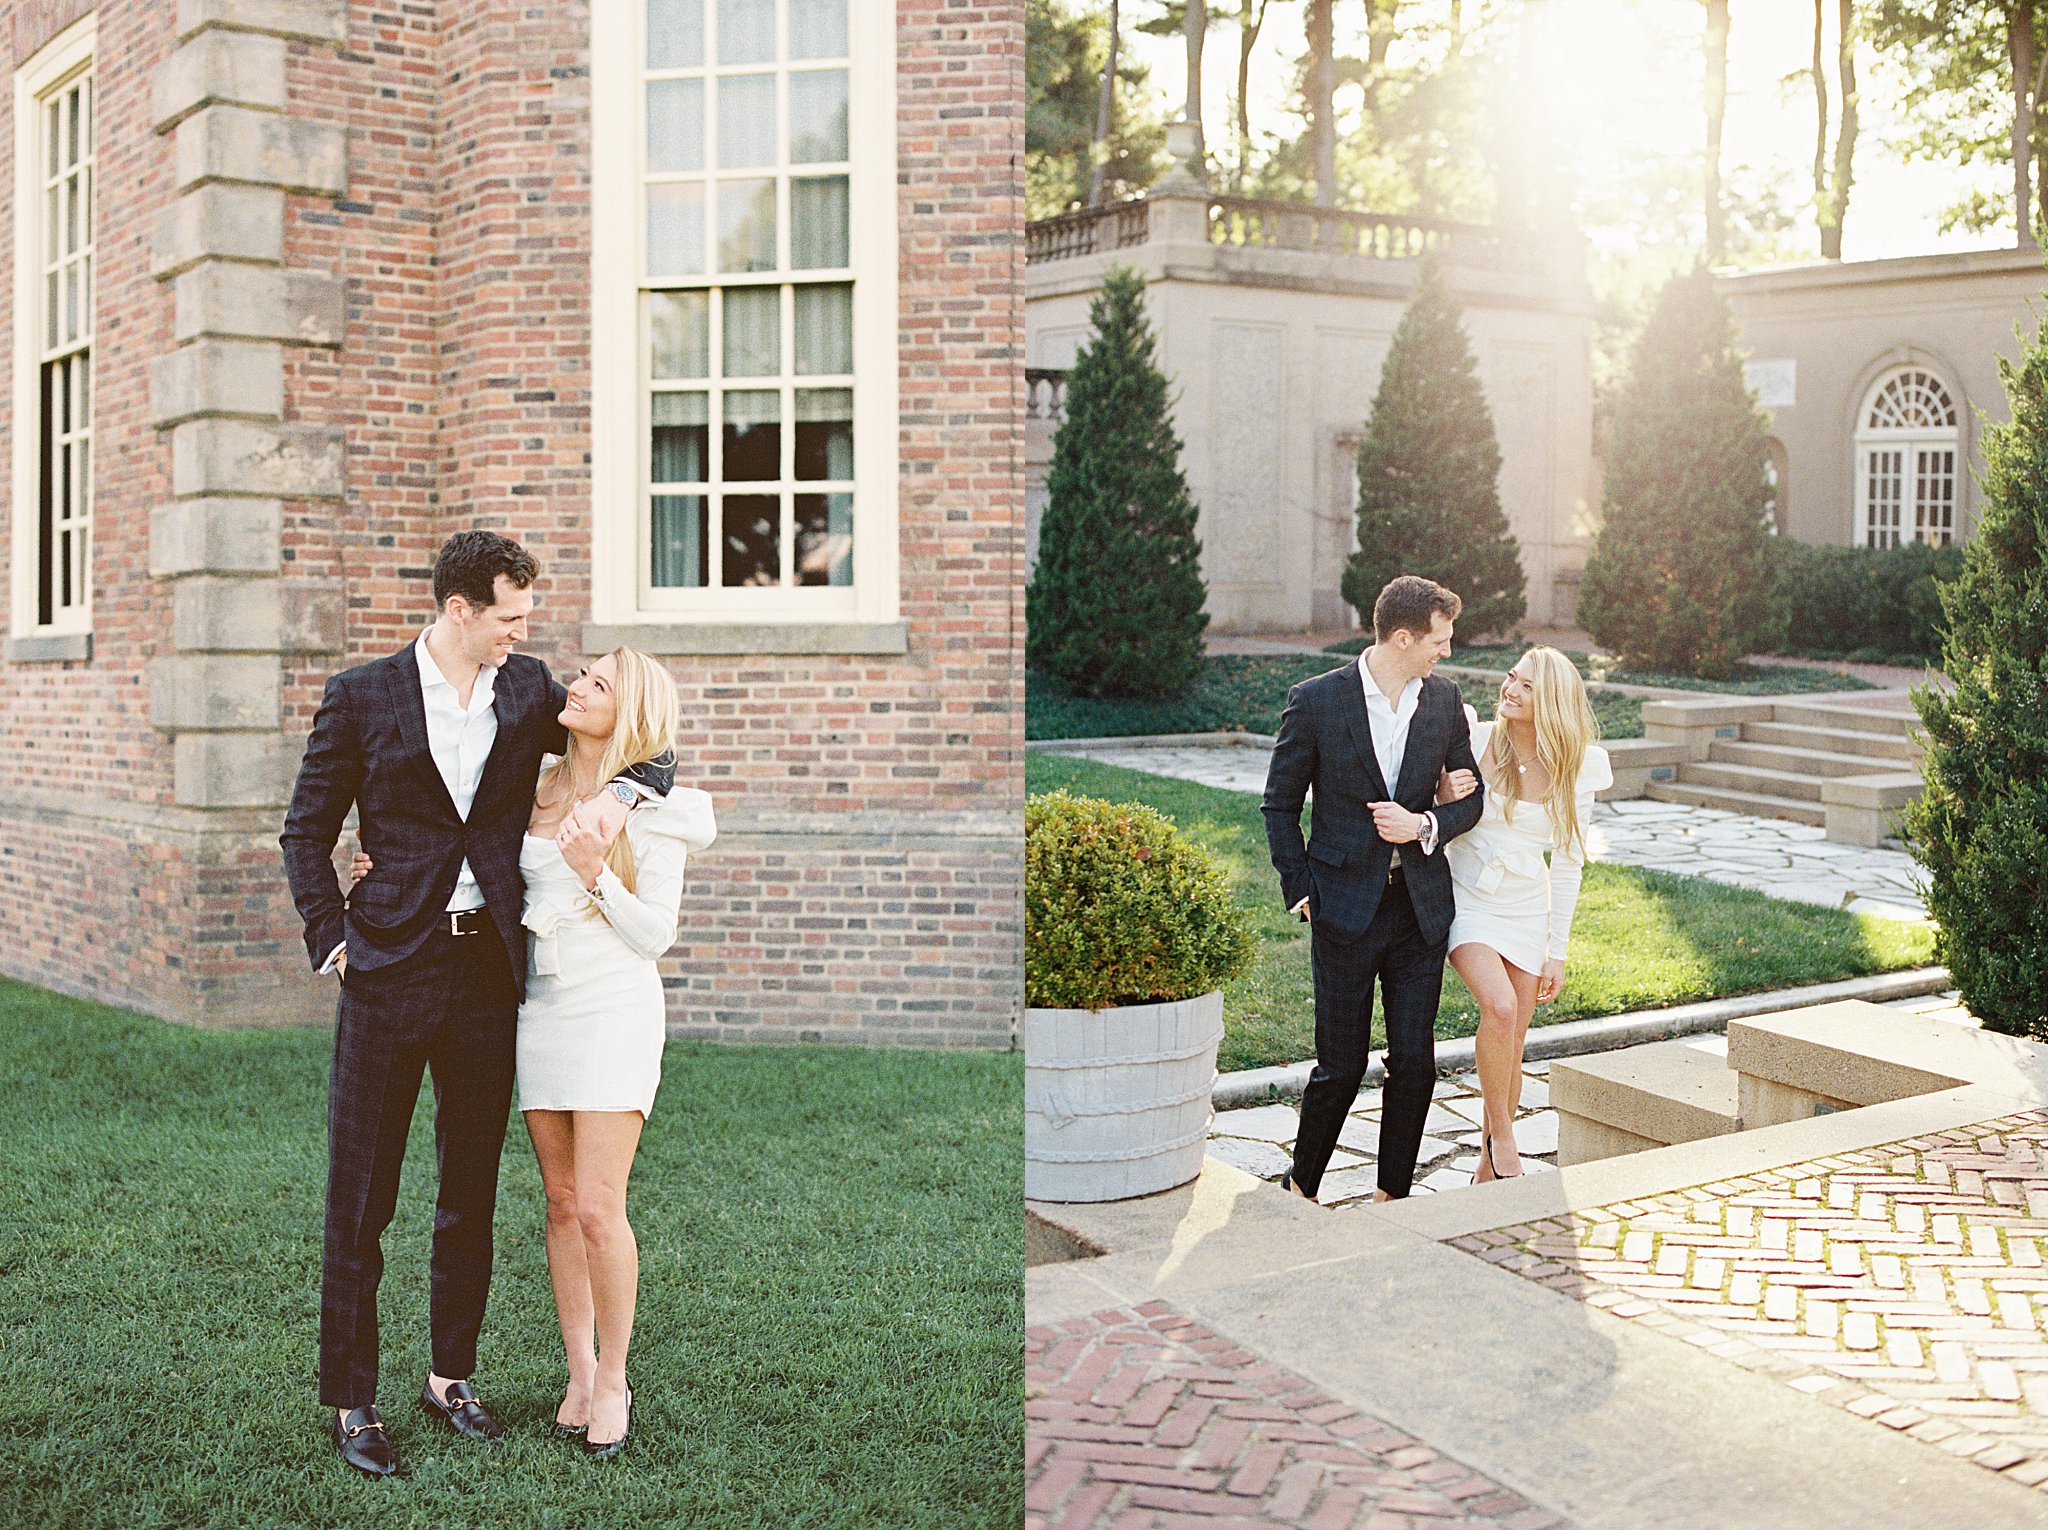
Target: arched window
{"points": [[1907, 441]]}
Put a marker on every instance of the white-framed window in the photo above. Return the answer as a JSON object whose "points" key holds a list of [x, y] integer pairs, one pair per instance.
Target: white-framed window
{"points": [[1907, 443], [53, 306], [743, 407]]}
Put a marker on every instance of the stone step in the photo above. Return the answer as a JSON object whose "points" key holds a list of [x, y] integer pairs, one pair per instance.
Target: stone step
{"points": [[1884, 746], [1858, 719], [1628, 1101], [1789, 759], [1751, 778], [1756, 804]]}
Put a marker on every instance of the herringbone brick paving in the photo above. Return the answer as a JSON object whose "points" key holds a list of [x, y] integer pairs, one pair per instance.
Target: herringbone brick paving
{"points": [[1139, 1419], [1905, 1283]]}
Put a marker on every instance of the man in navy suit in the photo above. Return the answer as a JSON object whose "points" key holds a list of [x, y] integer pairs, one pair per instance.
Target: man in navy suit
{"points": [[1372, 739], [437, 747]]}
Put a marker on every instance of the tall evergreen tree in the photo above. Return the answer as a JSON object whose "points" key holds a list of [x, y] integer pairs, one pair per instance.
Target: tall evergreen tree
{"points": [[1428, 470], [1981, 828], [1115, 604], [1681, 575]]}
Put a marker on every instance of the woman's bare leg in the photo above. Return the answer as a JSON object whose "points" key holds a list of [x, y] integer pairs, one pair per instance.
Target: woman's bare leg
{"points": [[1506, 996], [605, 1141], [553, 1134]]}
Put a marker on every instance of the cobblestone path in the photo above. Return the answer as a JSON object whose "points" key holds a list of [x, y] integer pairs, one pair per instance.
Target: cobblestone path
{"points": [[1140, 1418], [1905, 1283]]}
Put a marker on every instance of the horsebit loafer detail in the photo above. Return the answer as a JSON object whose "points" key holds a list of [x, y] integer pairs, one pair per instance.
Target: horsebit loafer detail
{"points": [[359, 1437], [465, 1415]]}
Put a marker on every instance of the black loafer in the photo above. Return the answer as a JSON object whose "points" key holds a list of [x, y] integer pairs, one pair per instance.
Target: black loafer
{"points": [[360, 1438], [463, 1413]]}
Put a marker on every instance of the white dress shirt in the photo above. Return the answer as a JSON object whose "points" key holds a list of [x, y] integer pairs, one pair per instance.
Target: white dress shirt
{"points": [[460, 740], [1390, 721]]}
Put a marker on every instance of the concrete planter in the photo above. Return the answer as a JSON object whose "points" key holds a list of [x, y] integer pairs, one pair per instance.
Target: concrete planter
{"points": [[1116, 1101]]}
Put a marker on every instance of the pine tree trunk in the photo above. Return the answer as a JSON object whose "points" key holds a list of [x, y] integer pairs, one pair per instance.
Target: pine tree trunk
{"points": [[1820, 142], [1322, 130], [1248, 25], [1104, 113], [1845, 137], [2019, 40], [1717, 109]]}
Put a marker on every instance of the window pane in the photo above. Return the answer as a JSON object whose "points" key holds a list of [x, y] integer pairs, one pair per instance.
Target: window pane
{"points": [[681, 325], [50, 311], [746, 32], [53, 126], [746, 121], [71, 142], [817, 219], [71, 302], [681, 530], [746, 225], [753, 539], [682, 437], [753, 436], [817, 28], [824, 433], [675, 34], [824, 330], [824, 539], [675, 230], [52, 225], [675, 125], [71, 215], [817, 117], [753, 331], [85, 198]]}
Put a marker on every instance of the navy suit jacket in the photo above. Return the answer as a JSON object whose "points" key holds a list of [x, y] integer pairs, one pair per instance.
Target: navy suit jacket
{"points": [[1325, 742], [369, 750]]}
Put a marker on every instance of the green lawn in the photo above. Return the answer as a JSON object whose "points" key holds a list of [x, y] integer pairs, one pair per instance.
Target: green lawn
{"points": [[1247, 693], [1640, 939], [1747, 680], [829, 1309]]}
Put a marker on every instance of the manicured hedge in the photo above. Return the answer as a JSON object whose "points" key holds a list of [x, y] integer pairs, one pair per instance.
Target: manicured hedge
{"points": [[1868, 603]]}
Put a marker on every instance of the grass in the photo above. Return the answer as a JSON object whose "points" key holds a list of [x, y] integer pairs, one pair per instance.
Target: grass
{"points": [[1640, 939], [1746, 680], [1243, 692], [828, 1320]]}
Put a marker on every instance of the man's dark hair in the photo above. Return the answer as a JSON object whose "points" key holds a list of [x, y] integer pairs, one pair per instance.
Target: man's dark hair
{"points": [[470, 563], [1411, 603]]}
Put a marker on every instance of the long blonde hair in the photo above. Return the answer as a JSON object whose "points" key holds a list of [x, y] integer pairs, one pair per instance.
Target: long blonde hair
{"points": [[643, 728], [1565, 729]]}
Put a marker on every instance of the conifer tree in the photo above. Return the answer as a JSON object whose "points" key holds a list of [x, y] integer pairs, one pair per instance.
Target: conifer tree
{"points": [[1981, 827], [1428, 473], [1115, 604], [1681, 576]]}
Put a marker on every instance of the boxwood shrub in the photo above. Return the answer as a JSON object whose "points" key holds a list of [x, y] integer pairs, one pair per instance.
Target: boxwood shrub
{"points": [[1869, 603], [1121, 908]]}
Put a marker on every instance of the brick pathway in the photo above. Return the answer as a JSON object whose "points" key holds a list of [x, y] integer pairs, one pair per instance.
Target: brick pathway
{"points": [[1905, 1283], [1140, 1418]]}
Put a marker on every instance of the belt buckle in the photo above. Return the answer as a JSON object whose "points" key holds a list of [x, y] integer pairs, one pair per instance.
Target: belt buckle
{"points": [[455, 922]]}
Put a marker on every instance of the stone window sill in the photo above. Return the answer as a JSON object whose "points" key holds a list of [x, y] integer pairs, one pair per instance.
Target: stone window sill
{"points": [[750, 638], [49, 648]]}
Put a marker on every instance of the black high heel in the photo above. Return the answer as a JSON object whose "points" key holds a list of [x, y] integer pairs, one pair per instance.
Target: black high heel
{"points": [[611, 1448]]}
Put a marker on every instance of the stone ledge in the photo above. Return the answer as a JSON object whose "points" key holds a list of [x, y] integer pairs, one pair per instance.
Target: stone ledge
{"points": [[314, 21], [1864, 1055], [1862, 810], [1665, 1092], [219, 67], [230, 301], [211, 614], [236, 143], [208, 692], [216, 536], [217, 377], [265, 461], [218, 222], [49, 649], [1637, 762], [752, 638]]}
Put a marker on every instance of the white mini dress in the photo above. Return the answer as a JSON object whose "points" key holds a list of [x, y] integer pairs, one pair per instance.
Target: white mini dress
{"points": [[592, 1026], [1507, 899]]}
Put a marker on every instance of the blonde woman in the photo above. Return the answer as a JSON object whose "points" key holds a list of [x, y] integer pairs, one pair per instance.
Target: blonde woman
{"points": [[603, 865], [1513, 923]]}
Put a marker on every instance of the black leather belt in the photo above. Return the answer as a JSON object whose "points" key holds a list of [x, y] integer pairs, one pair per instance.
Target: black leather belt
{"points": [[471, 921]]}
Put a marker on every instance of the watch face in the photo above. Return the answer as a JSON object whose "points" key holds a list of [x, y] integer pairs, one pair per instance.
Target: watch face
{"points": [[624, 793]]}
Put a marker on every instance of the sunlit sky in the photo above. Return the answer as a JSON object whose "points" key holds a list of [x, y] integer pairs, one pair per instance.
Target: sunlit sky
{"points": [[1632, 82]]}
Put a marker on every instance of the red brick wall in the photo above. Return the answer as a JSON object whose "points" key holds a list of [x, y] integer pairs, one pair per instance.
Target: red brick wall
{"points": [[463, 388]]}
